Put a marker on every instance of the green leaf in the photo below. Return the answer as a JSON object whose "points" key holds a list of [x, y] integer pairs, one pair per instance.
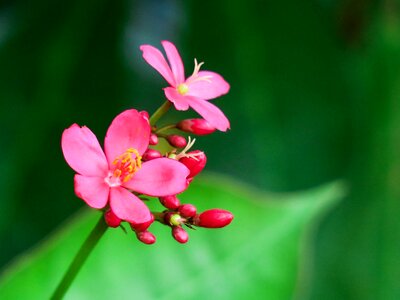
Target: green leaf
{"points": [[257, 256]]}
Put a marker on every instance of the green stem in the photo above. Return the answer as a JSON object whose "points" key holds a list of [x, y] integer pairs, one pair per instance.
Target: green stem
{"points": [[80, 259], [158, 217], [159, 112], [164, 128]]}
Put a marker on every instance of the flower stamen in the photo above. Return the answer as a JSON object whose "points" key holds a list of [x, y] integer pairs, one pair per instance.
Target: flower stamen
{"points": [[195, 75], [127, 164], [184, 153]]}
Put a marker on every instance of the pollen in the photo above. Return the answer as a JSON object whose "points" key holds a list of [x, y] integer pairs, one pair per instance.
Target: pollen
{"points": [[183, 89], [127, 164]]}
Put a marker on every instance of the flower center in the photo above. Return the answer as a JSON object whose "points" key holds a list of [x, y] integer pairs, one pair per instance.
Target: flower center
{"points": [[182, 89], [126, 165]]}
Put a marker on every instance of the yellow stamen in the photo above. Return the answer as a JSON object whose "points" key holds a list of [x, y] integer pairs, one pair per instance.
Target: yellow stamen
{"points": [[117, 173], [127, 165]]}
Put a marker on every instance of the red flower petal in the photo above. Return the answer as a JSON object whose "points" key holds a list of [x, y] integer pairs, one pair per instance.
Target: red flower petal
{"points": [[159, 177], [156, 59], [93, 190], [211, 88], [175, 61], [83, 152], [128, 207], [128, 130]]}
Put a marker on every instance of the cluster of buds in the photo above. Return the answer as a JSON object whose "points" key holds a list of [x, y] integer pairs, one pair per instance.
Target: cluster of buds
{"points": [[186, 214], [132, 168], [176, 215]]}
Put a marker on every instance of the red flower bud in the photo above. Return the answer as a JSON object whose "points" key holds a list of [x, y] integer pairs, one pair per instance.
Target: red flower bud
{"points": [[213, 218], [195, 164], [177, 141], [187, 210], [153, 139], [170, 202], [196, 126], [180, 235], [151, 154], [142, 226], [146, 237], [111, 219]]}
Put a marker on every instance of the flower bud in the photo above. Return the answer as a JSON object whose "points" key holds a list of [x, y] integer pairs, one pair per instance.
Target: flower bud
{"points": [[170, 202], [187, 210], [213, 218], [179, 234], [196, 163], [146, 237], [142, 226], [195, 126], [111, 219], [177, 141], [151, 154], [173, 219], [153, 139]]}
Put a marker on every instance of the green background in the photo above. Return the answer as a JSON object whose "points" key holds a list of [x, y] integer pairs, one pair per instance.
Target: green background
{"points": [[315, 92]]}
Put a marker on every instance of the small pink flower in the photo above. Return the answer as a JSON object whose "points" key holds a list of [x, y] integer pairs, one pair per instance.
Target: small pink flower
{"points": [[194, 91], [109, 177]]}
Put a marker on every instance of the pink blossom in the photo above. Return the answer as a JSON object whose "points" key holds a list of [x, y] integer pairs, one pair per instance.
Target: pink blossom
{"points": [[194, 91], [109, 177]]}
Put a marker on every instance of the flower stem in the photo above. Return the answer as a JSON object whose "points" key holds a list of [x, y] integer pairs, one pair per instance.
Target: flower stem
{"points": [[159, 112], [80, 259], [165, 128]]}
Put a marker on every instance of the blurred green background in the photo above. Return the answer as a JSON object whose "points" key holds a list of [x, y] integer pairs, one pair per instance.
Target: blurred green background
{"points": [[315, 96]]}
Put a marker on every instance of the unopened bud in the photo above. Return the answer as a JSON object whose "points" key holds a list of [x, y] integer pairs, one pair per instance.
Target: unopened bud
{"points": [[196, 163], [146, 237], [170, 202], [180, 235], [151, 154], [173, 219], [213, 218], [142, 226], [187, 210], [111, 219], [196, 126], [177, 141], [153, 139]]}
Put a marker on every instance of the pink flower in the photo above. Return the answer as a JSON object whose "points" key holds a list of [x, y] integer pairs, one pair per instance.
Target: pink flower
{"points": [[109, 177], [193, 91]]}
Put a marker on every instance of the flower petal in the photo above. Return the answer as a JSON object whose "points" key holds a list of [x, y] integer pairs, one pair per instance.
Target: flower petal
{"points": [[177, 99], [210, 113], [83, 152], [93, 190], [175, 61], [159, 177], [128, 207], [130, 129], [156, 59], [213, 87]]}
